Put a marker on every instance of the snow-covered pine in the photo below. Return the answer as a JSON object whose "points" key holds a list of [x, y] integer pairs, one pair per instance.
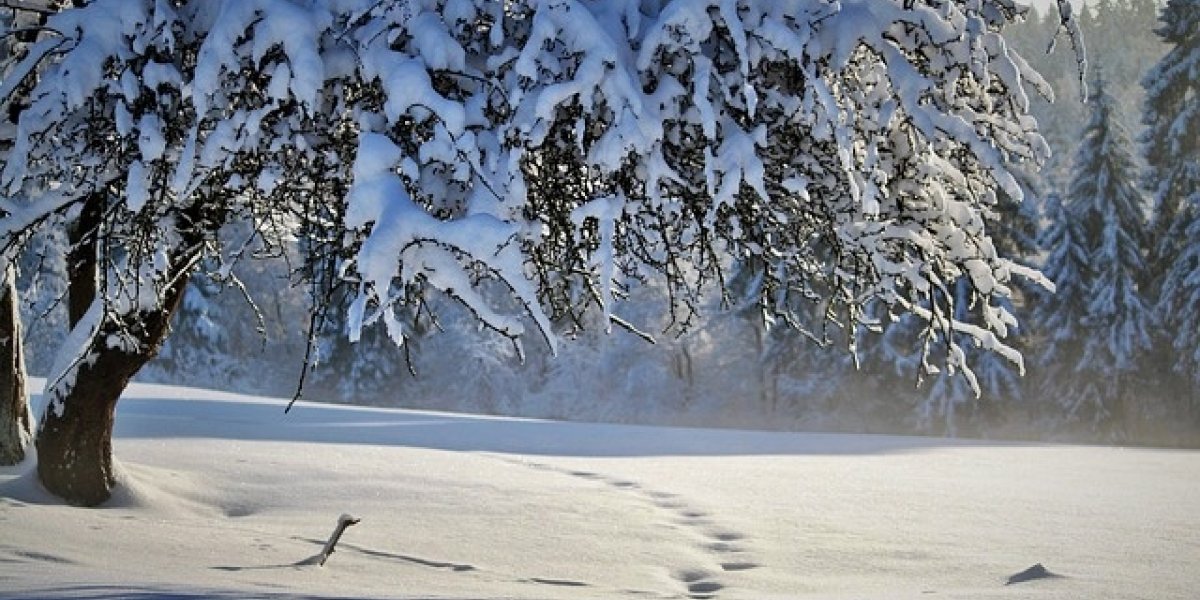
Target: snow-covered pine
{"points": [[1059, 317], [1105, 202], [200, 349], [1171, 146], [954, 405], [41, 279]]}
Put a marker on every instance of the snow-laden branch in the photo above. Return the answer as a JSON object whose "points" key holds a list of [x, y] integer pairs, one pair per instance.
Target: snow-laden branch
{"points": [[552, 147]]}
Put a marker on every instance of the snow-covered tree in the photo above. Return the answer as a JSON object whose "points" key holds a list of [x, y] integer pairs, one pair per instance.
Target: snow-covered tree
{"points": [[525, 158], [20, 25], [15, 422], [199, 349], [368, 369], [948, 401], [1116, 320], [110, 140], [42, 288], [1171, 146], [1058, 317], [952, 403], [1123, 42], [955, 403]]}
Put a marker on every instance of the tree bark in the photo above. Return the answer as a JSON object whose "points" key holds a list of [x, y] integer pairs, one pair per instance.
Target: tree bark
{"points": [[15, 425], [82, 260], [74, 439]]}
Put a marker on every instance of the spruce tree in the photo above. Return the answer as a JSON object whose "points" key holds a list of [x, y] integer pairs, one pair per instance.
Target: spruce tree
{"points": [[1171, 146], [1059, 315], [1105, 202], [199, 350]]}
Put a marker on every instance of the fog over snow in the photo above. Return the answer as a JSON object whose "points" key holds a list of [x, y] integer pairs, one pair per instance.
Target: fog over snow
{"points": [[225, 496]]}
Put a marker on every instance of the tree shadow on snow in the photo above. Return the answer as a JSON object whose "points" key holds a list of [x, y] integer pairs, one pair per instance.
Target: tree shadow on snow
{"points": [[111, 592], [252, 418]]}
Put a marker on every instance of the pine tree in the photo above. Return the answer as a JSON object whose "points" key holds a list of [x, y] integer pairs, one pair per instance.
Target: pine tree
{"points": [[42, 290], [949, 392], [1171, 146], [368, 371], [1058, 316], [970, 403], [199, 350], [1121, 38], [1104, 200]]}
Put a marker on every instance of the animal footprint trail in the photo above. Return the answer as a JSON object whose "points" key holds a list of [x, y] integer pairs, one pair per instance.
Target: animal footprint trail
{"points": [[558, 582], [726, 536], [726, 547], [698, 583], [738, 566]]}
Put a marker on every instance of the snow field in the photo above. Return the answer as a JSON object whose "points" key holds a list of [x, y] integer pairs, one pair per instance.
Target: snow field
{"points": [[225, 496]]}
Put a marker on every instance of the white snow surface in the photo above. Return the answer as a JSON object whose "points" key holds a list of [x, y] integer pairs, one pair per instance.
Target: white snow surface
{"points": [[225, 496]]}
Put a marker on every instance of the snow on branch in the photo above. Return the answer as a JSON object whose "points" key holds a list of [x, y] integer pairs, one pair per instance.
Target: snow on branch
{"points": [[552, 147]]}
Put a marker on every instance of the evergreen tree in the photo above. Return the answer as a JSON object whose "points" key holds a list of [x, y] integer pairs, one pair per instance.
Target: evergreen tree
{"points": [[1104, 200], [1059, 315], [950, 391], [1171, 146], [43, 290], [362, 372], [1121, 38], [887, 351], [954, 402], [199, 350]]}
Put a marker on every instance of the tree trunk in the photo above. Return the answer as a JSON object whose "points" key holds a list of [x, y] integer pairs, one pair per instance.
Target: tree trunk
{"points": [[74, 439], [15, 425], [82, 265]]}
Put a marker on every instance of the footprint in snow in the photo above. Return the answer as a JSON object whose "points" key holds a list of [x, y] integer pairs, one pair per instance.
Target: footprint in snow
{"points": [[558, 582], [698, 584], [738, 566]]}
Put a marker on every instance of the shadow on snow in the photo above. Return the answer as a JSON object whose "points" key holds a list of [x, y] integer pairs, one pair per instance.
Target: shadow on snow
{"points": [[151, 412], [104, 592]]}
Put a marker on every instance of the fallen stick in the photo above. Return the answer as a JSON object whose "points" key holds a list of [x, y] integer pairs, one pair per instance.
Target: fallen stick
{"points": [[344, 521]]}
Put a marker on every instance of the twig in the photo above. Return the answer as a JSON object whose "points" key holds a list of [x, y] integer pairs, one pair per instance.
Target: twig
{"points": [[344, 521]]}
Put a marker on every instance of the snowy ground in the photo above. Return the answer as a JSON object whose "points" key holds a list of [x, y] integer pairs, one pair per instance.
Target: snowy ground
{"points": [[225, 496]]}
